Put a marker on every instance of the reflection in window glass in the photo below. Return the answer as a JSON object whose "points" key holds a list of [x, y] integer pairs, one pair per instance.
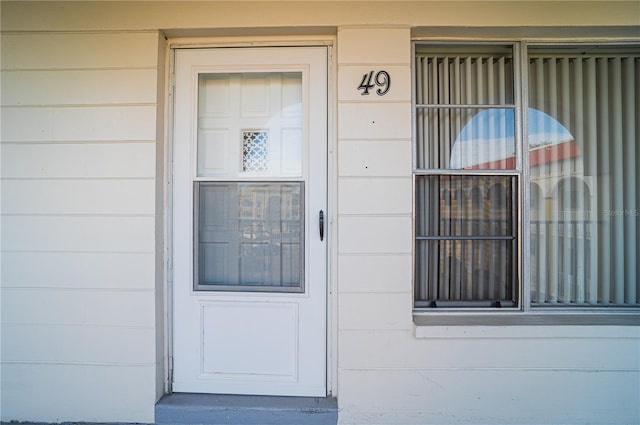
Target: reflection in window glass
{"points": [[464, 249], [581, 144], [250, 236], [585, 232], [486, 141], [454, 130]]}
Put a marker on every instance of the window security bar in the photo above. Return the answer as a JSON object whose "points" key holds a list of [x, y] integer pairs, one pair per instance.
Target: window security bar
{"points": [[468, 106], [465, 238], [467, 304]]}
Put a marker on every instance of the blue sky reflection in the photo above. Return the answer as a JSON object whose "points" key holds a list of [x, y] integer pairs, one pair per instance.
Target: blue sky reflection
{"points": [[488, 137]]}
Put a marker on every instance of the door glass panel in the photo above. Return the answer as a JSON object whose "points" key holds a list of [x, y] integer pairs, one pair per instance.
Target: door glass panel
{"points": [[250, 124], [249, 236]]}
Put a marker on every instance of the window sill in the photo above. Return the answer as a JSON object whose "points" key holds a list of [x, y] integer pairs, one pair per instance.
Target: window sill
{"points": [[539, 318]]}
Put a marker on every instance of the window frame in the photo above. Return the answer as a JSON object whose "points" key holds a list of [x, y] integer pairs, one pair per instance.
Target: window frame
{"points": [[524, 313]]}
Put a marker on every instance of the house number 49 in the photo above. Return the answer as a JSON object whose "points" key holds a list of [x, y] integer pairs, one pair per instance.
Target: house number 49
{"points": [[380, 79]]}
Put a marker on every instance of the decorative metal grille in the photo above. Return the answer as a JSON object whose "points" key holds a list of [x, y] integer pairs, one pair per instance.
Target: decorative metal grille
{"points": [[255, 151]]}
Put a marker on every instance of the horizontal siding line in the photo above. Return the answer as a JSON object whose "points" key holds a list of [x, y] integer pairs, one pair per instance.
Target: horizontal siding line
{"points": [[76, 69], [373, 139], [93, 364], [409, 176], [383, 254], [379, 215], [92, 253], [373, 102], [399, 328], [114, 178], [522, 335], [76, 105], [93, 325], [79, 142], [492, 369], [364, 253], [73, 289], [376, 65], [405, 332], [77, 215], [68, 325], [353, 176], [36, 251], [71, 32], [360, 293]]}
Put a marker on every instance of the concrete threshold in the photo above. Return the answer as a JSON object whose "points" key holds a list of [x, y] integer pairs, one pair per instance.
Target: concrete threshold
{"points": [[214, 409]]}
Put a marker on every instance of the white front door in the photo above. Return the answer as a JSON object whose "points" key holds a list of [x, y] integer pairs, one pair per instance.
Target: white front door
{"points": [[249, 196]]}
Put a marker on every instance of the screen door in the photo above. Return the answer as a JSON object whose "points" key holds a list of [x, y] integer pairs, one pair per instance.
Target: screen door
{"points": [[249, 199]]}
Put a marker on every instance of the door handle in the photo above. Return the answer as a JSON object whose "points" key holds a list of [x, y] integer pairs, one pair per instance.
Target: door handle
{"points": [[321, 224]]}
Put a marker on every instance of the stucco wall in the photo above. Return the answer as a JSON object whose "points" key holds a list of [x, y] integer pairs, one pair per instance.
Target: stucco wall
{"points": [[82, 220]]}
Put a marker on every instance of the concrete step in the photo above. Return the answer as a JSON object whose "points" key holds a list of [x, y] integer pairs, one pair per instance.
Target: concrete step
{"points": [[213, 409]]}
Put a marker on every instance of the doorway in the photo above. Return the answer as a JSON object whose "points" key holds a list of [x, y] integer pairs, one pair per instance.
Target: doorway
{"points": [[249, 221]]}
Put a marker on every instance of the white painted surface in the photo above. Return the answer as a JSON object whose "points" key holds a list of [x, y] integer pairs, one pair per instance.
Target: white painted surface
{"points": [[249, 342], [400, 375], [79, 270], [115, 160], [524, 348], [78, 227], [469, 396], [26, 343], [374, 46], [71, 196], [78, 233], [64, 392], [374, 234], [379, 311], [91, 50], [68, 307], [79, 124], [389, 371], [78, 87], [374, 158], [375, 120], [375, 196], [373, 273]]}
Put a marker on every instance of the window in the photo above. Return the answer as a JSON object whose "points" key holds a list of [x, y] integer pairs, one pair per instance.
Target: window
{"points": [[504, 127]]}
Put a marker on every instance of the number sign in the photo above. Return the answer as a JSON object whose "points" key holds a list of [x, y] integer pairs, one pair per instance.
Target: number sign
{"points": [[381, 79]]}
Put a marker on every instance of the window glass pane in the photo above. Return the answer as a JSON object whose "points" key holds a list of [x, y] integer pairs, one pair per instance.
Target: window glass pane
{"points": [[249, 236], [464, 76], [465, 273], [466, 225], [250, 124], [455, 128], [469, 139], [584, 146], [466, 206], [466, 228]]}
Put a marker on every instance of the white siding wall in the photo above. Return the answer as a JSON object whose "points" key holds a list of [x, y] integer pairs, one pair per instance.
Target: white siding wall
{"points": [[78, 226], [389, 371], [82, 265]]}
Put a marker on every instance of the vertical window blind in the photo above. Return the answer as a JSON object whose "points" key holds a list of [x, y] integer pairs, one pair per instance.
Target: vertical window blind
{"points": [[466, 219], [581, 128], [584, 221]]}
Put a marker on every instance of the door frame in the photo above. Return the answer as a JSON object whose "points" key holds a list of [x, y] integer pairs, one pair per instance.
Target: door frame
{"points": [[172, 45]]}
